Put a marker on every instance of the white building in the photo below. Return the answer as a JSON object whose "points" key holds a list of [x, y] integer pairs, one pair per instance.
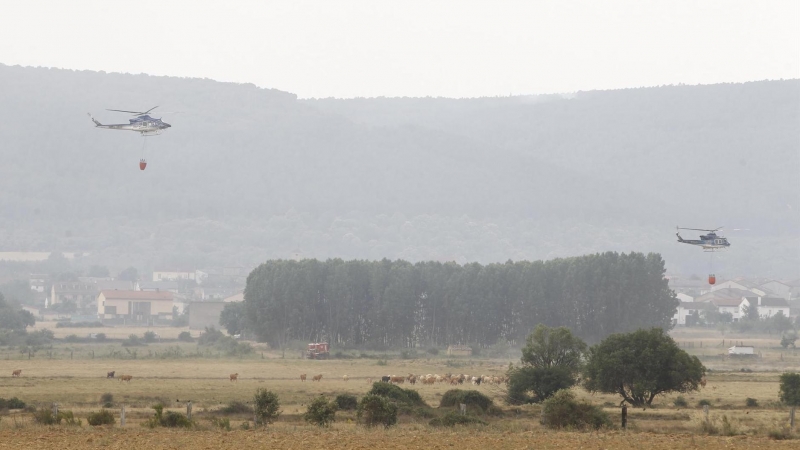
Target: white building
{"points": [[729, 305], [777, 289], [767, 306], [174, 275], [687, 310]]}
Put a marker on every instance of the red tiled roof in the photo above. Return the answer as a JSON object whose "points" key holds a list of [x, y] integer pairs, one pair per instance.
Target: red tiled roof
{"points": [[137, 295]]}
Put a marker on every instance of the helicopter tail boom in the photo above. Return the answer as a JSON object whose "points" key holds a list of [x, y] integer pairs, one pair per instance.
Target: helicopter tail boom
{"points": [[96, 123]]}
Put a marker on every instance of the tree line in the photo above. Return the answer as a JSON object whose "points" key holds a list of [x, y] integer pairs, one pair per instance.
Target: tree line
{"points": [[381, 304]]}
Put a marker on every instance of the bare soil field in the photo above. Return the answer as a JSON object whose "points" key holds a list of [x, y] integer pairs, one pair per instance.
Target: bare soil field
{"points": [[351, 437]]}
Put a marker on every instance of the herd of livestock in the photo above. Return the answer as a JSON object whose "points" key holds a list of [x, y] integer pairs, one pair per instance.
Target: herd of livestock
{"points": [[449, 378]]}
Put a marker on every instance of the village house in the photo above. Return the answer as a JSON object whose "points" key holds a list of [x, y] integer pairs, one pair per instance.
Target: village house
{"points": [[174, 275], [82, 294], [739, 285], [134, 306], [777, 289], [767, 306], [688, 313], [729, 305]]}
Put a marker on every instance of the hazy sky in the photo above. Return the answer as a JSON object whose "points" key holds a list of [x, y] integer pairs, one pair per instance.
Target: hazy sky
{"points": [[413, 48]]}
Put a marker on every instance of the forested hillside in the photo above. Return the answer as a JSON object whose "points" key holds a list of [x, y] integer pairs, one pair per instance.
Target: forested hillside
{"points": [[246, 174], [398, 304]]}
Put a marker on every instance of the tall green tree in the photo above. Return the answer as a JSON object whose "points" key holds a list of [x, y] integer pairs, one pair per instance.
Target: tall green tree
{"points": [[641, 365], [790, 388], [233, 318], [551, 361], [12, 317]]}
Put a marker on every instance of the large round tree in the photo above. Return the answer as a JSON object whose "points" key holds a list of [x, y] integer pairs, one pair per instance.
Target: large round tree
{"points": [[550, 362], [641, 365]]}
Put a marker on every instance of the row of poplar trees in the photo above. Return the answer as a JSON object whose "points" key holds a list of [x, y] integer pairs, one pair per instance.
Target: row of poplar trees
{"points": [[382, 304]]}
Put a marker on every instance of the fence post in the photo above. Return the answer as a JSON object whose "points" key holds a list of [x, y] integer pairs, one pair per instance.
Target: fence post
{"points": [[624, 416], [791, 419], [463, 408], [55, 411], [189, 410], [705, 412], [122, 416]]}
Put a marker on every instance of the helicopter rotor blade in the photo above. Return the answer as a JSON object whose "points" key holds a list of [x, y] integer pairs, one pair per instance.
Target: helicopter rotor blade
{"points": [[699, 229], [148, 111], [121, 110]]}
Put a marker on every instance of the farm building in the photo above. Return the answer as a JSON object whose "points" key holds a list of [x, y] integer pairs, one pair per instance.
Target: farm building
{"points": [[134, 306], [459, 350]]}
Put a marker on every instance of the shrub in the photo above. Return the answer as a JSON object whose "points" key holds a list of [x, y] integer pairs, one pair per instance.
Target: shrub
{"points": [[409, 397], [680, 402], [236, 408], [453, 418], [780, 434], [210, 336], [150, 336], [541, 382], [185, 336], [170, 419], [72, 338], [133, 341], [454, 397], [563, 411], [381, 362], [224, 423], [433, 351], [790, 388], [321, 412], [704, 402], [266, 406], [346, 402], [12, 403], [751, 402], [101, 337], [102, 417], [107, 398], [374, 410], [45, 416]]}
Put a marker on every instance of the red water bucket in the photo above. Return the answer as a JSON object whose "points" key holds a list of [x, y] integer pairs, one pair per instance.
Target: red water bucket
{"points": [[142, 164], [712, 279]]}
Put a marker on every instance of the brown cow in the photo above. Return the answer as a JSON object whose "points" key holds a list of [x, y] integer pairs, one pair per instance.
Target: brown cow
{"points": [[302, 377], [397, 380], [125, 378], [16, 373], [234, 377], [316, 377]]}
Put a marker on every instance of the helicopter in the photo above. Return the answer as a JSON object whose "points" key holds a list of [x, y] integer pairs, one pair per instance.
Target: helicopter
{"points": [[709, 242], [143, 123]]}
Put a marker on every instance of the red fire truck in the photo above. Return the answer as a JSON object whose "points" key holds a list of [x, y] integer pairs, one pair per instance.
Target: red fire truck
{"points": [[318, 350]]}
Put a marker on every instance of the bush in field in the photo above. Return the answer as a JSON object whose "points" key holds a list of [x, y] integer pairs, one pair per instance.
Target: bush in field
{"points": [[680, 402], [223, 424], [704, 402], [346, 402], [101, 337], [133, 341], [374, 410], [150, 336], [12, 403], [409, 397], [266, 406], [751, 402], [236, 408], [563, 411], [107, 399], [790, 388], [185, 336], [210, 336], [45, 416], [453, 418], [433, 351], [454, 397], [102, 417], [321, 412], [170, 419], [72, 338]]}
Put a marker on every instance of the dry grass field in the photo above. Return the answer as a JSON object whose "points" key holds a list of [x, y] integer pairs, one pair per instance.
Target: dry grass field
{"points": [[74, 376]]}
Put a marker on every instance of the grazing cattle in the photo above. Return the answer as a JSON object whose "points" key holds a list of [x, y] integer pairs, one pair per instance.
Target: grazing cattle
{"points": [[234, 377], [386, 379], [412, 379], [316, 377], [110, 374], [397, 380], [16, 373], [125, 378], [454, 381], [345, 378], [302, 377], [429, 380]]}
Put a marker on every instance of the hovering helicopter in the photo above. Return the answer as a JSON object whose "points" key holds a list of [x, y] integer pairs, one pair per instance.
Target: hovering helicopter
{"points": [[143, 123], [709, 242]]}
